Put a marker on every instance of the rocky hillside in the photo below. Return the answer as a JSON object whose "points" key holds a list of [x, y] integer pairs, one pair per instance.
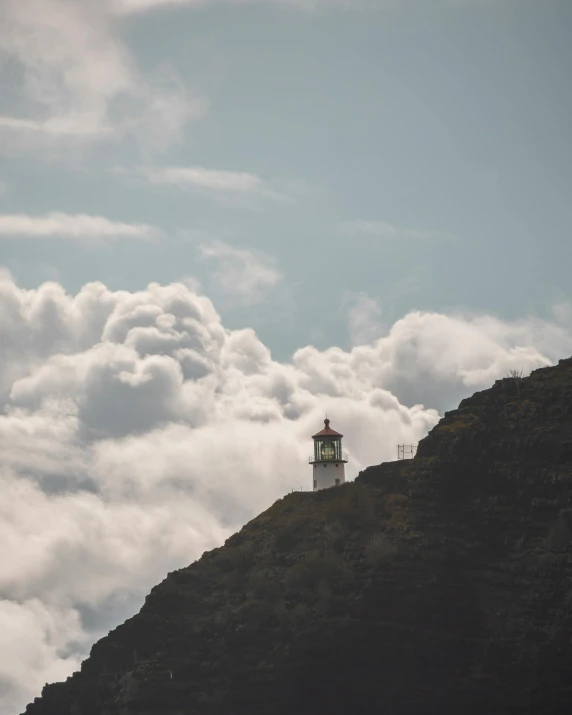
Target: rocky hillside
{"points": [[436, 585]]}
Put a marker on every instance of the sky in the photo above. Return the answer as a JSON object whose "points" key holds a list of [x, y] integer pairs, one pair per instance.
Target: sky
{"points": [[221, 219]]}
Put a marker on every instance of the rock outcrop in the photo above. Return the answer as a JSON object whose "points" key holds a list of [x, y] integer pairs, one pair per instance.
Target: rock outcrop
{"points": [[441, 584]]}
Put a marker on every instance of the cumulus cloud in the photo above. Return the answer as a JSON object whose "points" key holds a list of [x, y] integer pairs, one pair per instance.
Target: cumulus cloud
{"points": [[137, 431], [243, 274], [77, 81], [34, 640], [82, 227]]}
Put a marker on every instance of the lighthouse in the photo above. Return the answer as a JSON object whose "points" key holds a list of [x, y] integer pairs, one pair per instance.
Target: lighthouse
{"points": [[328, 459]]}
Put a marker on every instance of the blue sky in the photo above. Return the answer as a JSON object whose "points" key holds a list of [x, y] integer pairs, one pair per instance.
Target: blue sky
{"points": [[416, 153]]}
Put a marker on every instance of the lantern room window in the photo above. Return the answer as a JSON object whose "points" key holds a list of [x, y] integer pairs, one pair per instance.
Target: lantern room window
{"points": [[328, 450]]}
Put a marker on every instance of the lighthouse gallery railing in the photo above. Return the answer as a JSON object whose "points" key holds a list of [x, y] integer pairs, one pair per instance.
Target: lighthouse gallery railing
{"points": [[342, 458]]}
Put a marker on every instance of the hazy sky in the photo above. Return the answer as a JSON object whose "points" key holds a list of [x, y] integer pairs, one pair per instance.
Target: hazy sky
{"points": [[221, 219]]}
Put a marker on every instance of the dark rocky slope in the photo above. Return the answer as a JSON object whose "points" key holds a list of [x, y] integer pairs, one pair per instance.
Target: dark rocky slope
{"points": [[436, 585]]}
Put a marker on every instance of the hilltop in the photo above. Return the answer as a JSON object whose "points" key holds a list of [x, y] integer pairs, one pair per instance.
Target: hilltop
{"points": [[441, 584]]}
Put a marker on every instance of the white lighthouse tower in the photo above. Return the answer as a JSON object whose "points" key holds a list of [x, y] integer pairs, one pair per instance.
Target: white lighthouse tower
{"points": [[328, 459]]}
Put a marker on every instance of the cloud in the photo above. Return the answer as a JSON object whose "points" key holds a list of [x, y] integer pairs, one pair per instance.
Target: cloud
{"points": [[243, 274], [76, 81], [364, 316], [81, 227], [386, 231], [238, 188], [137, 431], [126, 7], [204, 178], [34, 638]]}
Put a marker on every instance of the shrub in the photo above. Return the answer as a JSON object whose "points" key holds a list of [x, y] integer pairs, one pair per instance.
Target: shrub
{"points": [[311, 571], [378, 549], [286, 538], [352, 506], [129, 686], [324, 594], [299, 615], [242, 557], [256, 613], [300, 576], [335, 535], [559, 536], [224, 616], [394, 509], [261, 587], [396, 500]]}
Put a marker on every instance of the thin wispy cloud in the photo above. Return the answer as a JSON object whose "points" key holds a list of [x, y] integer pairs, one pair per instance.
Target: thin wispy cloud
{"points": [[128, 7], [80, 81], [57, 126], [81, 227], [247, 276], [198, 176], [387, 231], [363, 317], [235, 188]]}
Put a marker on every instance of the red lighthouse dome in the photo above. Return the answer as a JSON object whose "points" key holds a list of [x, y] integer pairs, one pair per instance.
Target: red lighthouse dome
{"points": [[327, 431]]}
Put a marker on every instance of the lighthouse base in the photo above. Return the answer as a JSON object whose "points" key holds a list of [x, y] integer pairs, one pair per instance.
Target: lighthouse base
{"points": [[328, 474]]}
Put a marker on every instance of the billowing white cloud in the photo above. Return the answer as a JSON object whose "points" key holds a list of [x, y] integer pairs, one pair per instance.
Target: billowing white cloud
{"points": [[81, 227], [136, 431], [79, 82], [241, 273], [34, 640]]}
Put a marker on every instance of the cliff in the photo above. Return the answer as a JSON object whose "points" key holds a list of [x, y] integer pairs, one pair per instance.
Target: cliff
{"points": [[436, 585]]}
